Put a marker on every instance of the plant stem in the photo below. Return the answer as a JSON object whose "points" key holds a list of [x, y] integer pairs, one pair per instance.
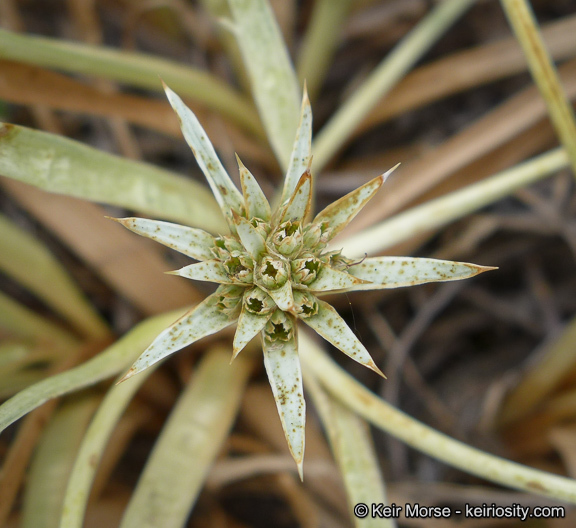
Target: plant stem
{"points": [[523, 22], [425, 439], [189, 443], [353, 450], [342, 124]]}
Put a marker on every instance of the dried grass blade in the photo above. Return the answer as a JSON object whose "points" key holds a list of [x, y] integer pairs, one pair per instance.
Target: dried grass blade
{"points": [[32, 85], [55, 455], [427, 440], [340, 127], [93, 444], [108, 363], [475, 66], [320, 42], [18, 381], [539, 381], [354, 452], [131, 265], [544, 73], [504, 123], [14, 351], [135, 69], [28, 261], [17, 457], [189, 442], [23, 322], [437, 213]]}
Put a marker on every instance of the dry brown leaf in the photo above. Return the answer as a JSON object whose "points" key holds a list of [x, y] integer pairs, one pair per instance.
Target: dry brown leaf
{"points": [[260, 414], [502, 124], [467, 69], [31, 85], [22, 448]]}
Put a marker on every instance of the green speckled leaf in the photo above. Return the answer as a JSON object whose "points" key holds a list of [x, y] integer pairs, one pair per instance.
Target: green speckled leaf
{"points": [[302, 150], [283, 297], [251, 239], [249, 325], [190, 241], [257, 205], [203, 320], [334, 329], [341, 212], [283, 368], [209, 270], [300, 202], [227, 195], [394, 272], [330, 279]]}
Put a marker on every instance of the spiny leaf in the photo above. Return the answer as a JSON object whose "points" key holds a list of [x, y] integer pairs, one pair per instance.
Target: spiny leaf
{"points": [[283, 369], [257, 205], [250, 238], [341, 212], [334, 329], [209, 270], [330, 279], [190, 241], [300, 202], [302, 150], [394, 272], [225, 192], [283, 297], [205, 319], [249, 325]]}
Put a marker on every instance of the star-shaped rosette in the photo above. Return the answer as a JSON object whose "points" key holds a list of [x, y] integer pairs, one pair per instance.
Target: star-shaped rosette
{"points": [[272, 268]]}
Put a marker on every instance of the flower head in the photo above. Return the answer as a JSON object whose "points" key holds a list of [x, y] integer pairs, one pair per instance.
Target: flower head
{"points": [[273, 267]]}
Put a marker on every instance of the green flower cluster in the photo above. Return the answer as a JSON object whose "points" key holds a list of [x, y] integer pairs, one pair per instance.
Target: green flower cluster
{"points": [[272, 268]]}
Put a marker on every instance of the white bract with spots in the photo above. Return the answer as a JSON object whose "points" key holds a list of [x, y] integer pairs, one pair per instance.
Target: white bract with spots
{"points": [[272, 268]]}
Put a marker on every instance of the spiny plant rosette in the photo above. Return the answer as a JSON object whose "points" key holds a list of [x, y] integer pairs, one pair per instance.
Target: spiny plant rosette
{"points": [[273, 266]]}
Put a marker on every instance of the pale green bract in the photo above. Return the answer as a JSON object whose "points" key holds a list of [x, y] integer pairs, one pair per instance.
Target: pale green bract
{"points": [[273, 266]]}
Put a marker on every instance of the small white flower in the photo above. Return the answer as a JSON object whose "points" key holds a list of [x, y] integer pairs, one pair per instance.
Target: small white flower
{"points": [[272, 268]]}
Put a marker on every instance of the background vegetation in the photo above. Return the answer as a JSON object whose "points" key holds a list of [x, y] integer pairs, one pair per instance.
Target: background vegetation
{"points": [[444, 88]]}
